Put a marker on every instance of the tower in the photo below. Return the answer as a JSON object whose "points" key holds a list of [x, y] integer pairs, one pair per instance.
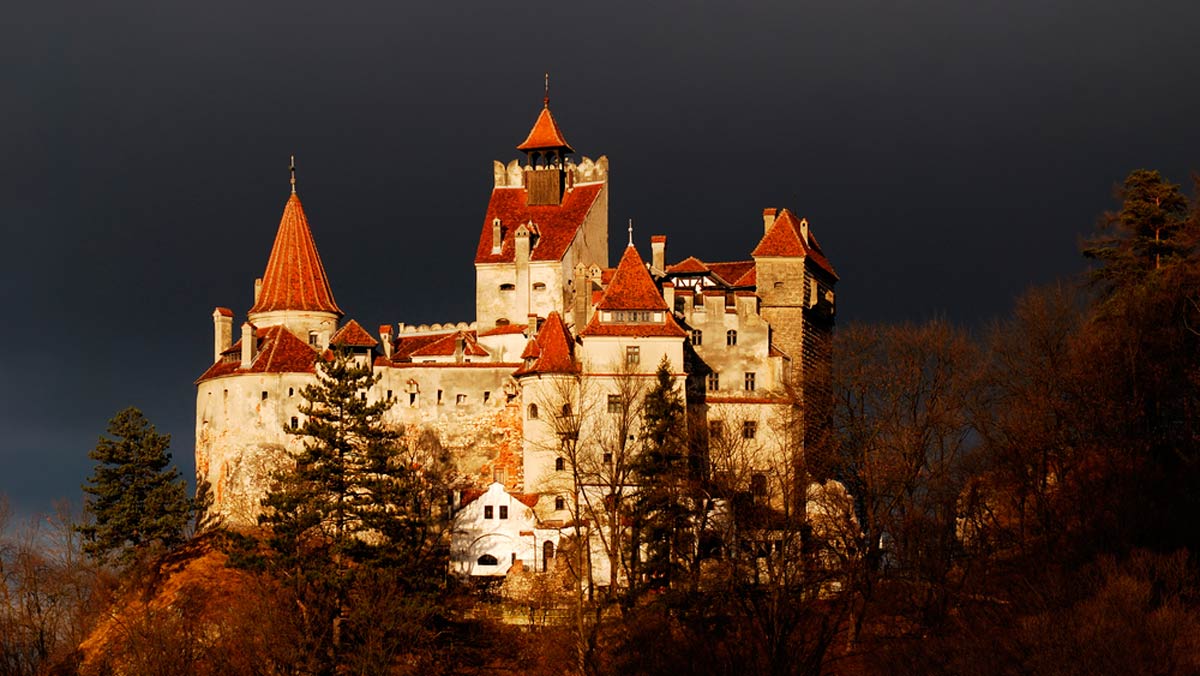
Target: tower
{"points": [[544, 218]]}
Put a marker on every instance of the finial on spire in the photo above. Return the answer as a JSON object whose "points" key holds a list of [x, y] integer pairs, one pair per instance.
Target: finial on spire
{"points": [[292, 168], [631, 232], [546, 98]]}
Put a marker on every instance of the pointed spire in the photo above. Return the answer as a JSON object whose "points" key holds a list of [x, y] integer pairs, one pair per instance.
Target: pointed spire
{"points": [[292, 168], [546, 98], [545, 134], [631, 287], [631, 232], [295, 278]]}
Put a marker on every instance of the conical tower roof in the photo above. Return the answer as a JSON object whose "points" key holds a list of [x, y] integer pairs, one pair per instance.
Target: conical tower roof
{"points": [[545, 134], [631, 287], [295, 278]]}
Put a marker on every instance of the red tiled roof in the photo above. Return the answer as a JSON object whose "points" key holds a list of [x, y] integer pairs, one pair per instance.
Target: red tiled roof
{"points": [[447, 345], [748, 279], [295, 278], [731, 271], [656, 239], [784, 239], [606, 275], [506, 330], [631, 287], [405, 345], [279, 351], [557, 224], [669, 328], [353, 335], [691, 264], [554, 349], [545, 134], [224, 312]]}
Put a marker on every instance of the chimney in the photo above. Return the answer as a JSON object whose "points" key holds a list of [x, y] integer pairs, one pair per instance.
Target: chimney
{"points": [[669, 295], [222, 331], [249, 343], [804, 231], [658, 252], [769, 219], [532, 325], [385, 337], [583, 297], [459, 345], [257, 289], [522, 245], [497, 240]]}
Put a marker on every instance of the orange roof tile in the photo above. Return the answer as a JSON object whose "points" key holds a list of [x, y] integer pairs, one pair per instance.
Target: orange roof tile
{"points": [[556, 348], [731, 271], [748, 279], [532, 351], [631, 287], [556, 224], [689, 265], [784, 239], [447, 345], [353, 335], [668, 328], [295, 278], [545, 134], [279, 351], [224, 311], [506, 330]]}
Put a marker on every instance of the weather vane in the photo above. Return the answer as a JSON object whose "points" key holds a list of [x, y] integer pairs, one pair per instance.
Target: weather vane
{"points": [[546, 99], [292, 168], [631, 232]]}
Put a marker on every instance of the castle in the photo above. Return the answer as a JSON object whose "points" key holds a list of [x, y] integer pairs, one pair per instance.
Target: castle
{"points": [[559, 341]]}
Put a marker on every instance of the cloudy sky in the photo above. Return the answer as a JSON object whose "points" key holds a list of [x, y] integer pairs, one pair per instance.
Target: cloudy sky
{"points": [[948, 154]]}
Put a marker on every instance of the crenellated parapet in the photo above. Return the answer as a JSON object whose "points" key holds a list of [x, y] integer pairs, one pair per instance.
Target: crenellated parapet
{"points": [[587, 170]]}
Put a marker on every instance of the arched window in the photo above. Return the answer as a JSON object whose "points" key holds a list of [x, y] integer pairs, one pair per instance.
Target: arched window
{"points": [[560, 503], [547, 555], [539, 286], [532, 412], [487, 560], [731, 337], [566, 409], [559, 464], [508, 287]]}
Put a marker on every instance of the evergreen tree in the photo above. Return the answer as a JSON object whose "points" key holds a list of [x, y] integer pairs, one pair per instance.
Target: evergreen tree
{"points": [[662, 506], [134, 498], [1148, 232]]}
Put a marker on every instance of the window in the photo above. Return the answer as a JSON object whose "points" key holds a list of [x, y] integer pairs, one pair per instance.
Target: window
{"points": [[460, 400], [439, 400], [502, 322], [412, 398], [264, 395], [731, 337], [614, 403], [487, 560], [389, 397], [778, 285], [749, 429], [486, 395], [607, 457], [716, 429], [633, 355], [503, 511], [748, 383], [560, 503], [539, 286], [559, 464], [291, 391], [714, 381], [312, 337], [566, 410], [697, 337], [532, 412], [547, 555], [295, 423], [758, 485], [487, 511], [508, 287]]}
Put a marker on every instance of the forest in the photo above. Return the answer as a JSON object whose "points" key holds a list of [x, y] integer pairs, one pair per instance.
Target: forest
{"points": [[1018, 499]]}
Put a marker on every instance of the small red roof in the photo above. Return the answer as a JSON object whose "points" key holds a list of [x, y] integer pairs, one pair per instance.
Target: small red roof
{"points": [[545, 134], [279, 351], [631, 287], [553, 349], [295, 278], [224, 312], [506, 330], [557, 224], [732, 271], [784, 240], [689, 265], [447, 345], [353, 335]]}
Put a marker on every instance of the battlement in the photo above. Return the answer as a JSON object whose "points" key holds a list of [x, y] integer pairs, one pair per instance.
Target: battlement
{"points": [[587, 170], [422, 329]]}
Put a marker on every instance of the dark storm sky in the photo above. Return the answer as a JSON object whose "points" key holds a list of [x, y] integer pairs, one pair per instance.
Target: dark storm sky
{"points": [[948, 155]]}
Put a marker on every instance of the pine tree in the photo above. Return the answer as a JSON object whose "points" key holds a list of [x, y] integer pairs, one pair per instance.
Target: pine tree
{"points": [[1148, 232], [134, 498], [662, 503]]}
